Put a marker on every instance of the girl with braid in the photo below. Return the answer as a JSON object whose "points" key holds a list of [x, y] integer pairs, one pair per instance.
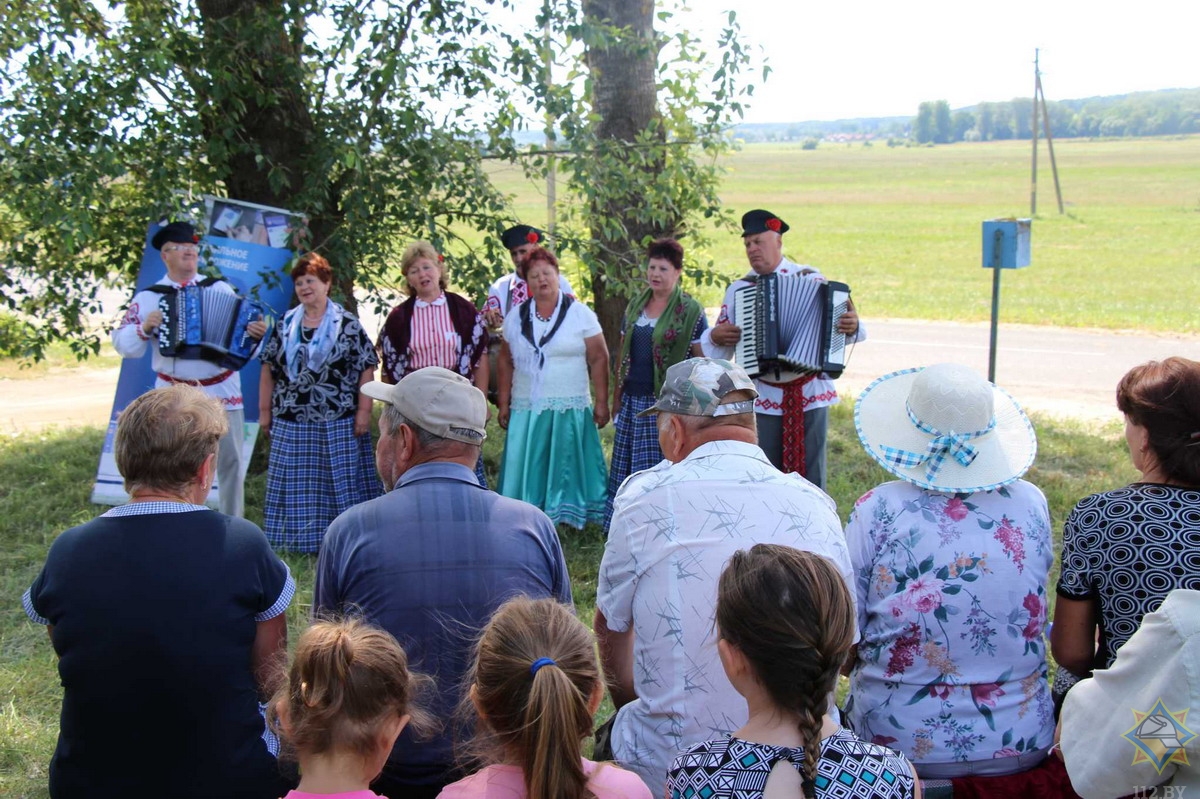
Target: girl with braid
{"points": [[786, 623], [535, 687], [348, 695]]}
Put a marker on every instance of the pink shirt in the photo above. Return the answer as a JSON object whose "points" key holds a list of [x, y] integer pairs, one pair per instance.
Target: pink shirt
{"points": [[343, 795], [434, 340], [605, 780]]}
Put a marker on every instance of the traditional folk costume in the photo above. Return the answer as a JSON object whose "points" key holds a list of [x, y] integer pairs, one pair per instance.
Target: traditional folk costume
{"points": [[648, 348], [317, 466], [552, 455]]}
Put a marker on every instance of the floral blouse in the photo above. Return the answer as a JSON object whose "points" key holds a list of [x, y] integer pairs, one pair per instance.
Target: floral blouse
{"points": [[952, 606], [326, 395]]}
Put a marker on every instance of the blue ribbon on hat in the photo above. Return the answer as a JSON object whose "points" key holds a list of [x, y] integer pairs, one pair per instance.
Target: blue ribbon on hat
{"points": [[941, 446], [537, 664]]}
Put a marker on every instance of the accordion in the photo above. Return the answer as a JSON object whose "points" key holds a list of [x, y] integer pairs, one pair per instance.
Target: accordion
{"points": [[789, 327], [201, 323]]}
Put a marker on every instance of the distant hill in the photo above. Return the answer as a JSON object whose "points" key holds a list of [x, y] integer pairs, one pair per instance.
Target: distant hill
{"points": [[1157, 113]]}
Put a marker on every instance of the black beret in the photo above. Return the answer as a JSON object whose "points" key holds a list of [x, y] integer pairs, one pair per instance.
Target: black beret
{"points": [[180, 232], [760, 221], [517, 235]]}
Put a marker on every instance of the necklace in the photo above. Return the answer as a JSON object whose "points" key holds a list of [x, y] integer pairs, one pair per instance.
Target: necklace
{"points": [[539, 315]]}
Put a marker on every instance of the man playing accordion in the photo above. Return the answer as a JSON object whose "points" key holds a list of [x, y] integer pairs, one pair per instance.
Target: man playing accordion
{"points": [[177, 244], [792, 417]]}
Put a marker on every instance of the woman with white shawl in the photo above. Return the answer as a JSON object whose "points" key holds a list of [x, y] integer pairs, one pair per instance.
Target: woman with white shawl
{"points": [[321, 459]]}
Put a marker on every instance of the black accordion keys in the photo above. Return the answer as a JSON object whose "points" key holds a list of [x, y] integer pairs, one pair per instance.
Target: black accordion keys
{"points": [[203, 323], [789, 327]]}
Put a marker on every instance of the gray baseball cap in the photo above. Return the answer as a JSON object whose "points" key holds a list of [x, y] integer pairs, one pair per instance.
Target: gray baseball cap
{"points": [[435, 399], [695, 387]]}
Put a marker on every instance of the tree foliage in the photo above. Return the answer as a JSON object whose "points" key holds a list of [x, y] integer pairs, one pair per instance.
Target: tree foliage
{"points": [[1162, 113], [645, 116], [108, 114], [371, 118]]}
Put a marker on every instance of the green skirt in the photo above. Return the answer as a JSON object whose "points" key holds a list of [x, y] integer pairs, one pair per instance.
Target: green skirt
{"points": [[553, 459]]}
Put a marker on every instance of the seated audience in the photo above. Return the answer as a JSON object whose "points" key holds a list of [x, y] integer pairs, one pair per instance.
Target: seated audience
{"points": [[348, 695], [952, 563], [432, 559], [535, 686], [786, 623], [1125, 550], [1111, 751], [168, 621], [674, 527]]}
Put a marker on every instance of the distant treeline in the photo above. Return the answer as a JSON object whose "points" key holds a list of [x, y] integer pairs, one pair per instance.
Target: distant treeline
{"points": [[1159, 113]]}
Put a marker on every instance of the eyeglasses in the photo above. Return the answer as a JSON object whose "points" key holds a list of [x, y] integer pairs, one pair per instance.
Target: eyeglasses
{"points": [[181, 248]]}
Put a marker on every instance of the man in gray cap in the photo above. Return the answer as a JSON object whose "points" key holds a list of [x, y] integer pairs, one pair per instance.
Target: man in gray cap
{"points": [[674, 526], [792, 417], [431, 559]]}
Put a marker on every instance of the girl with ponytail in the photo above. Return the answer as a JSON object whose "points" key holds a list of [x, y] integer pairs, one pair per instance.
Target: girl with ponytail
{"points": [[786, 622], [535, 686], [348, 695]]}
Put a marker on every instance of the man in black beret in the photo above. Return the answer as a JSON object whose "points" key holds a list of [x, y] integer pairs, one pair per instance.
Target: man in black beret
{"points": [[795, 413], [510, 291], [179, 247]]}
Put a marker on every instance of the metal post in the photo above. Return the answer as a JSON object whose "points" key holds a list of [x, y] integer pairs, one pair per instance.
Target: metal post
{"points": [[998, 237]]}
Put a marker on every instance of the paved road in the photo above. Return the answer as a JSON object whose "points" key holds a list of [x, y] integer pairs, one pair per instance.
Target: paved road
{"points": [[1063, 372]]}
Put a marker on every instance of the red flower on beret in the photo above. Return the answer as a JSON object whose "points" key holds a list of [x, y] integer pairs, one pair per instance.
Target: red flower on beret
{"points": [[195, 239], [774, 224], [531, 237]]}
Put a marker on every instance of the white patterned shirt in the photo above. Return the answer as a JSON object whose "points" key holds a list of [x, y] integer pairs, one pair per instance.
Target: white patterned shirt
{"points": [[674, 527]]}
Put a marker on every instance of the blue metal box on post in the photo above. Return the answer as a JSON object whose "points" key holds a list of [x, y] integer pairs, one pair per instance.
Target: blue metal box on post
{"points": [[1005, 246]]}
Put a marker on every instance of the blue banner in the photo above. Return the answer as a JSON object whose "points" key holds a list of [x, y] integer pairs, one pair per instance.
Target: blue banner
{"points": [[247, 245]]}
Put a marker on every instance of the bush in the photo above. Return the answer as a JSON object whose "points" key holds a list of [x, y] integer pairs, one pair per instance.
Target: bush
{"points": [[810, 144], [13, 334]]}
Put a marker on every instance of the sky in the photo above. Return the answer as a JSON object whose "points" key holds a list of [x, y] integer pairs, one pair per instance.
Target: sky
{"points": [[864, 58]]}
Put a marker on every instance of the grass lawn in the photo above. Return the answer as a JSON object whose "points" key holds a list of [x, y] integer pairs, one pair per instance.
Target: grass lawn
{"points": [[45, 482]]}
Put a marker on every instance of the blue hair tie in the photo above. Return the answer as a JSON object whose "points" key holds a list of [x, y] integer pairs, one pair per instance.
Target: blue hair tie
{"points": [[537, 664]]}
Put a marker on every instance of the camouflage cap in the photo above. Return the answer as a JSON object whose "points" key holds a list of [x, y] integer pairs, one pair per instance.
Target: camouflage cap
{"points": [[695, 387]]}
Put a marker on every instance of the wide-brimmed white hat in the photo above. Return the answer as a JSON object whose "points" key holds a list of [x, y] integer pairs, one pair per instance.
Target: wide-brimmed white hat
{"points": [[945, 428]]}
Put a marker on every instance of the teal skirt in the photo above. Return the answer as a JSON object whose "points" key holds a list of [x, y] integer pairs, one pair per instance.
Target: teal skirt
{"points": [[553, 459]]}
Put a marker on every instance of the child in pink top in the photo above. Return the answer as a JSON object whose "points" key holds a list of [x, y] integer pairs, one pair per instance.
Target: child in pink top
{"points": [[347, 697], [535, 687]]}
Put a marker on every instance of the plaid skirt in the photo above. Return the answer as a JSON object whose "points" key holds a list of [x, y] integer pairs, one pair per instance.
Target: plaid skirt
{"points": [[316, 470], [635, 448]]}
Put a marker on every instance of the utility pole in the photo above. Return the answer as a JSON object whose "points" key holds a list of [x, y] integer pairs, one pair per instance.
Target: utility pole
{"points": [[1039, 95]]}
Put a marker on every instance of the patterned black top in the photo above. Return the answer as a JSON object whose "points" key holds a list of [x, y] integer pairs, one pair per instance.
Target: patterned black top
{"points": [[326, 395], [1128, 549], [730, 768]]}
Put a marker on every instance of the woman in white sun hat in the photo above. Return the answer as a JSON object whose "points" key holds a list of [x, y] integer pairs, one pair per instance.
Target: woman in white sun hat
{"points": [[952, 563]]}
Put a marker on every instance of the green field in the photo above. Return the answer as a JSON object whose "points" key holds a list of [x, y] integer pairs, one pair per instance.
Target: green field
{"points": [[902, 227]]}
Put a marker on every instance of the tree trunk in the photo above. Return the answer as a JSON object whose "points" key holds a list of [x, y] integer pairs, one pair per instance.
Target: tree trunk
{"points": [[255, 115], [625, 102]]}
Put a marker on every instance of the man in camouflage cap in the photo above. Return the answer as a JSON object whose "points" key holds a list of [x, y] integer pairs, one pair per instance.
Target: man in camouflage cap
{"points": [[674, 527]]}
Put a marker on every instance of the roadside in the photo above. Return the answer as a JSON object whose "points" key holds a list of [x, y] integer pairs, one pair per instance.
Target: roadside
{"points": [[1063, 372]]}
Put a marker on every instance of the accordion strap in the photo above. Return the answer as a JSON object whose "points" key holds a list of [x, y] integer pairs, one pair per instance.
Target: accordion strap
{"points": [[208, 381]]}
